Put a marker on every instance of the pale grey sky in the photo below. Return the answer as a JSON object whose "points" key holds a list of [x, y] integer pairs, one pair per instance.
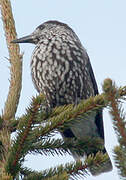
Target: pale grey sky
{"points": [[101, 28]]}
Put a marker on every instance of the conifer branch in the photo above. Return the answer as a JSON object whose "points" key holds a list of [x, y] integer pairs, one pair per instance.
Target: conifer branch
{"points": [[72, 170], [69, 115], [66, 114], [32, 175], [39, 100], [30, 138], [15, 61], [21, 144], [69, 169], [87, 105], [62, 176], [15, 83], [49, 147], [57, 146], [120, 160], [13, 124], [122, 91], [116, 110], [119, 123], [95, 102]]}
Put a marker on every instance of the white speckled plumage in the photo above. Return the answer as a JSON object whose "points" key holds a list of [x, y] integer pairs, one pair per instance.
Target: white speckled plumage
{"points": [[61, 70]]}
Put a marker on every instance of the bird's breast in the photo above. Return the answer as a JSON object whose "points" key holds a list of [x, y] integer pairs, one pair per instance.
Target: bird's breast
{"points": [[59, 71]]}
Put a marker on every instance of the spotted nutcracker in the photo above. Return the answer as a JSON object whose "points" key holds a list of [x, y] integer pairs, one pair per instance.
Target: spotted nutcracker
{"points": [[61, 69]]}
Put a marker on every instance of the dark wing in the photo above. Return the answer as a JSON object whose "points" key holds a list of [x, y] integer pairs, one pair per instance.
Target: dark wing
{"points": [[92, 77], [99, 116]]}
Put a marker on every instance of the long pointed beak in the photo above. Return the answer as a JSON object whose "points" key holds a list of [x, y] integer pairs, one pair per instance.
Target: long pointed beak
{"points": [[26, 39]]}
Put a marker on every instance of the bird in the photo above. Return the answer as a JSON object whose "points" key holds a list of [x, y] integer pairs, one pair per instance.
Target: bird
{"points": [[61, 70]]}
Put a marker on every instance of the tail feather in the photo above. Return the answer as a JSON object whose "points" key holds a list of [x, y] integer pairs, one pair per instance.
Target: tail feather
{"points": [[89, 130]]}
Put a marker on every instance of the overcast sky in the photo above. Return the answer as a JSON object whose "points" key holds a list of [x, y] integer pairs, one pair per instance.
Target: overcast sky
{"points": [[101, 27]]}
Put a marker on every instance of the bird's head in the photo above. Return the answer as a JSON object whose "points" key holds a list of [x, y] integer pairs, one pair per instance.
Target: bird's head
{"points": [[47, 29]]}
